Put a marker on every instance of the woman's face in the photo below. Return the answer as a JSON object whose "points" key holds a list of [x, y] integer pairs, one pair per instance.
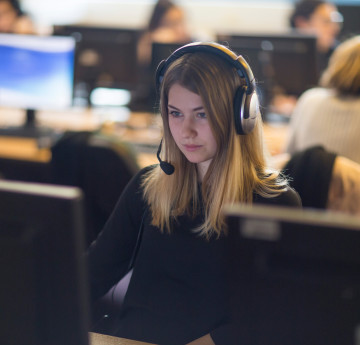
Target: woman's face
{"points": [[173, 27], [325, 23], [7, 16], [190, 127]]}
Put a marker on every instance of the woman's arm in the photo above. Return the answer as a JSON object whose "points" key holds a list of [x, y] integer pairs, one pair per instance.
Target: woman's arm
{"points": [[109, 256]]}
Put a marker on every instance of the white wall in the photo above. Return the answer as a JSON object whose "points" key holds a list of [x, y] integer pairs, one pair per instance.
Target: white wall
{"points": [[204, 18]]}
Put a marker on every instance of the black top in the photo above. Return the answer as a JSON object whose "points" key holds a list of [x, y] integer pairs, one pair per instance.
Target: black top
{"points": [[177, 292]]}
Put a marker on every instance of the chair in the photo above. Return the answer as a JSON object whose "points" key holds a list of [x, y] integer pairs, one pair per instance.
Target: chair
{"points": [[101, 165], [323, 179]]}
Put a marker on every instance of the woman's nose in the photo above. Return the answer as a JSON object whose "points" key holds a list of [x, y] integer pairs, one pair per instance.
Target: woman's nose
{"points": [[188, 128]]}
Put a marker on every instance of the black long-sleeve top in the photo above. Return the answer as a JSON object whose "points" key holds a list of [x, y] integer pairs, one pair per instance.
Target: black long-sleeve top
{"points": [[178, 289]]}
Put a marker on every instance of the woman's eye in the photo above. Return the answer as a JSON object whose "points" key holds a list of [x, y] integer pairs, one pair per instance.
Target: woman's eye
{"points": [[175, 113], [201, 115]]}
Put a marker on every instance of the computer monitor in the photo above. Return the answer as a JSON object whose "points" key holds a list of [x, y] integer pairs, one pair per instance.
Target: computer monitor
{"points": [[159, 52], [281, 63], [294, 275], [36, 73], [351, 23], [105, 57], [43, 290], [146, 97]]}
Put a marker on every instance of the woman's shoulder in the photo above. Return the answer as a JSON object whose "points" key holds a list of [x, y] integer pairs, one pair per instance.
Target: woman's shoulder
{"points": [[137, 179], [317, 93], [289, 197]]}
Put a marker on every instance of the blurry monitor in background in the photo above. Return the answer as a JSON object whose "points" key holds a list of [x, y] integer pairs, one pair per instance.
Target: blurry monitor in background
{"points": [[282, 63], [36, 73], [43, 290], [159, 52], [351, 25], [105, 58], [294, 275]]}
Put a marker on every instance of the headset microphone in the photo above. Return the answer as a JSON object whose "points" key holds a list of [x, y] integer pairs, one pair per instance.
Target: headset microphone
{"points": [[166, 167]]}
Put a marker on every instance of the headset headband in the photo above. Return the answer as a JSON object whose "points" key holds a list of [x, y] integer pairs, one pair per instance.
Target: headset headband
{"points": [[238, 62]]}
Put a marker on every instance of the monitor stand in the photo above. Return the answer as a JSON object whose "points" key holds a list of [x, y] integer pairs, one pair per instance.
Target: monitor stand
{"points": [[29, 129]]}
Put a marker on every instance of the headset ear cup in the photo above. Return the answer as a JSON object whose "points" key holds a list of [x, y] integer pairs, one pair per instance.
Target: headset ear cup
{"points": [[238, 109], [252, 107], [246, 111], [159, 75]]}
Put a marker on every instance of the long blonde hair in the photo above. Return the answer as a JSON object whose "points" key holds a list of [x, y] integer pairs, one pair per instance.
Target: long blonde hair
{"points": [[238, 168], [343, 71]]}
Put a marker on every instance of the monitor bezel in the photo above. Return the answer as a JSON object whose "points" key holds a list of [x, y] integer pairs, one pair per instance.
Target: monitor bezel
{"points": [[44, 289]]}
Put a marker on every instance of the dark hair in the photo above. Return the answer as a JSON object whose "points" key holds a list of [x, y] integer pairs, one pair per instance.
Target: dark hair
{"points": [[304, 9], [160, 9], [15, 4]]}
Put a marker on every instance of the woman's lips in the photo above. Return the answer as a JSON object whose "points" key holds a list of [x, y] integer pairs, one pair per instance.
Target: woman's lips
{"points": [[192, 148]]}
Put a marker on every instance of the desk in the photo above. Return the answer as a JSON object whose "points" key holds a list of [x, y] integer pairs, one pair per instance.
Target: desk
{"points": [[141, 129], [275, 136], [101, 339]]}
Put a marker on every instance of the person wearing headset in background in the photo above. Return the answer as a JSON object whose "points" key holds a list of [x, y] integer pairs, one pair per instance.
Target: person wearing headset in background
{"points": [[212, 155], [322, 19], [329, 115], [13, 19]]}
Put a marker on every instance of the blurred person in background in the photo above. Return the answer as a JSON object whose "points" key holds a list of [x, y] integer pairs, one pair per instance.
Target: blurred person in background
{"points": [[13, 19], [322, 19], [329, 115], [167, 24]]}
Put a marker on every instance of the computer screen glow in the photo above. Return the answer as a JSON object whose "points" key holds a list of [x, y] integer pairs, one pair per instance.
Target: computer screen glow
{"points": [[36, 72]]}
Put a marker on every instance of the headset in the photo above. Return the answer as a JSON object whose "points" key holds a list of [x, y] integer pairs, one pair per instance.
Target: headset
{"points": [[246, 101]]}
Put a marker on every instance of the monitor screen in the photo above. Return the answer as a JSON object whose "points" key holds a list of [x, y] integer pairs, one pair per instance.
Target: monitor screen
{"points": [[159, 52], [105, 57], [285, 63], [294, 275], [43, 290], [36, 72], [351, 23]]}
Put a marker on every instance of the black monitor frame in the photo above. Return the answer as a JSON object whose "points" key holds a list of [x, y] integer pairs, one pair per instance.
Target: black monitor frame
{"points": [[282, 63], [294, 275], [159, 52], [43, 290], [105, 56], [351, 23]]}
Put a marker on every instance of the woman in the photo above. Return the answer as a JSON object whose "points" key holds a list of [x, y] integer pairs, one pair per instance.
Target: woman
{"points": [[213, 155], [322, 19], [13, 19], [167, 24], [330, 115]]}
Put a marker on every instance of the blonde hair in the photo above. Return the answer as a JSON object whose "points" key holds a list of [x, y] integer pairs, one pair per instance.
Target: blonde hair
{"points": [[343, 71], [238, 168]]}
